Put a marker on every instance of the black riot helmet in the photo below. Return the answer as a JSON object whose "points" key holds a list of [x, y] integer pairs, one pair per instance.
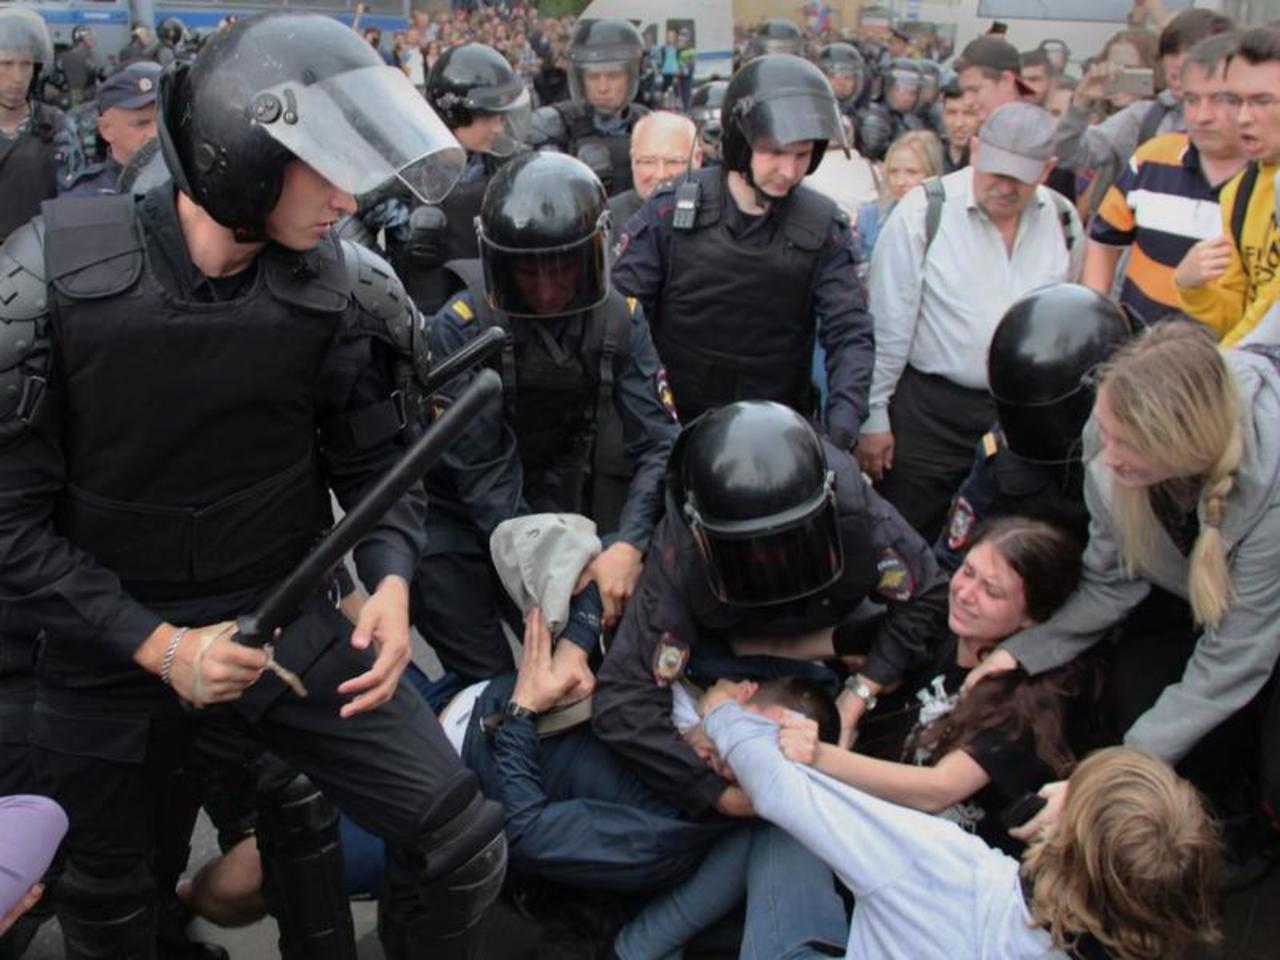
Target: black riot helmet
{"points": [[704, 110], [845, 67], [24, 35], [171, 31], [775, 36], [780, 99], [81, 32], [902, 74], [285, 86], [751, 481], [543, 232], [1041, 367], [474, 80], [604, 48], [930, 80]]}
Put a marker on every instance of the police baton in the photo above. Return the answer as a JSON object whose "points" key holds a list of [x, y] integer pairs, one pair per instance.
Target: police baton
{"points": [[257, 629]]}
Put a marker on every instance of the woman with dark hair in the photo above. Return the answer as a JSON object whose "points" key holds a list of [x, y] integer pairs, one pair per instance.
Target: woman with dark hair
{"points": [[970, 759]]}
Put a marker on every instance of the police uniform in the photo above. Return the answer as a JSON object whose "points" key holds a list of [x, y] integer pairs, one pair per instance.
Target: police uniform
{"points": [[531, 456], [735, 301], [37, 162], [879, 125], [1003, 484], [96, 180], [189, 514], [676, 628], [602, 143]]}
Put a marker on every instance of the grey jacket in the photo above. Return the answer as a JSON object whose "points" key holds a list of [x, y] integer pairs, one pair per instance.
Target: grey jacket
{"points": [[1080, 146], [1232, 662]]}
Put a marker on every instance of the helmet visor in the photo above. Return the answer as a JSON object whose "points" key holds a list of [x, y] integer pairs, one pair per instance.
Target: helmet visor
{"points": [[782, 117], [606, 85], [547, 282], [775, 566], [362, 129], [513, 105], [764, 46]]}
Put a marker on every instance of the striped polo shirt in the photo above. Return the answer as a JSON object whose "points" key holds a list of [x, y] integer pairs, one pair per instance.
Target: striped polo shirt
{"points": [[1160, 205]]}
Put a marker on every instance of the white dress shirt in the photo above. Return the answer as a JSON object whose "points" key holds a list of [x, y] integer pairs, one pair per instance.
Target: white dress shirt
{"points": [[938, 312]]}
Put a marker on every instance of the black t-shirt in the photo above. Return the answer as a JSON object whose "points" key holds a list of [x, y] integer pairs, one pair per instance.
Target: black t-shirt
{"points": [[1007, 753]]}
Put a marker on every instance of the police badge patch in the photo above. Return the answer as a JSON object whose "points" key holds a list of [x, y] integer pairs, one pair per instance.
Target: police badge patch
{"points": [[670, 658], [665, 395], [960, 525], [896, 582]]}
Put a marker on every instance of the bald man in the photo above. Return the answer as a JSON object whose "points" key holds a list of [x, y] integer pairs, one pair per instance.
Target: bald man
{"points": [[664, 145]]}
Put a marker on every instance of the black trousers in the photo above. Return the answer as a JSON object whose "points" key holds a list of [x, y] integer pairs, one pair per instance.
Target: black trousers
{"points": [[458, 605], [109, 756], [936, 425]]}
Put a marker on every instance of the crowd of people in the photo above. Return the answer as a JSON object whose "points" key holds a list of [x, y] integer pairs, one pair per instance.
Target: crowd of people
{"points": [[839, 495]]}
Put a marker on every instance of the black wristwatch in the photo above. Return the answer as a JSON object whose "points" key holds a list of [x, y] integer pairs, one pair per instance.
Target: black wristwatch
{"points": [[517, 712]]}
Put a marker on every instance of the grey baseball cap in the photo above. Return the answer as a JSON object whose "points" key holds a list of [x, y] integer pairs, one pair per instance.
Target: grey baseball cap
{"points": [[1016, 141]]}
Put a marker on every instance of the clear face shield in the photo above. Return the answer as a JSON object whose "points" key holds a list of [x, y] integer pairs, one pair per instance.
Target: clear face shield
{"points": [[331, 127], [24, 36], [845, 79], [902, 90], [513, 105], [607, 85], [550, 281]]}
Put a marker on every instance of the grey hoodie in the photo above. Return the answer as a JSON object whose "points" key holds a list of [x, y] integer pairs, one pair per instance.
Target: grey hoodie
{"points": [[1231, 663]]}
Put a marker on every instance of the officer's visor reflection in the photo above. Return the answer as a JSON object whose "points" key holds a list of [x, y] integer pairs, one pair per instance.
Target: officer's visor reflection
{"points": [[548, 282]]}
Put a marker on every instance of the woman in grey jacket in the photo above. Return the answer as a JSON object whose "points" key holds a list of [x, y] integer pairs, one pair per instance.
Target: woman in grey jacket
{"points": [[1183, 490]]}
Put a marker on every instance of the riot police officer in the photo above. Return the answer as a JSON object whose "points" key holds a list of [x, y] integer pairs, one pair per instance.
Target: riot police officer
{"points": [[576, 349], [929, 107], [846, 70], [247, 355], [770, 532], [776, 35], [595, 124], [171, 35], [734, 285], [704, 110], [80, 66], [483, 101], [884, 121], [39, 151], [1040, 365]]}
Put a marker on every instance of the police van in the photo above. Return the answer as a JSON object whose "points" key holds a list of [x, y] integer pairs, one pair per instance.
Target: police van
{"points": [[708, 23]]}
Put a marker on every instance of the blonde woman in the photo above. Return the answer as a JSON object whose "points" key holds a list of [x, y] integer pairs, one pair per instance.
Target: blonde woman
{"points": [[912, 159], [1183, 490]]}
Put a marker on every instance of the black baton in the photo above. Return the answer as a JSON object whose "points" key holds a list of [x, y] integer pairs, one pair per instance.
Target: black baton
{"points": [[283, 603]]}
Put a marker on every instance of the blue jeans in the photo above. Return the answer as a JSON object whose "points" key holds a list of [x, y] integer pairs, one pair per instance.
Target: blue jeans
{"points": [[793, 909]]}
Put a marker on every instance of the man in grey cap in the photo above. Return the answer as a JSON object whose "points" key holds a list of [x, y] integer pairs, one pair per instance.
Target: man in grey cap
{"points": [[126, 121], [954, 255]]}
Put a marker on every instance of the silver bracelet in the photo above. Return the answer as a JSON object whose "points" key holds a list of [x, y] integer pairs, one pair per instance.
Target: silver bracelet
{"points": [[171, 651]]}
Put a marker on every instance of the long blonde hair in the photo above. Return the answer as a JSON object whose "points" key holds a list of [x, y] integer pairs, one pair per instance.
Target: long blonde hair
{"points": [[927, 149], [1180, 408], [1132, 862]]}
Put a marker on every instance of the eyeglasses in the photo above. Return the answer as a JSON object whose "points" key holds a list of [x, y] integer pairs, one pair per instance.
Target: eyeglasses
{"points": [[650, 163]]}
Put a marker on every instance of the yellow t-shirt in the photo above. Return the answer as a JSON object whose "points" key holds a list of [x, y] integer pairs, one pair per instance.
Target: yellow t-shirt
{"points": [[1235, 302]]}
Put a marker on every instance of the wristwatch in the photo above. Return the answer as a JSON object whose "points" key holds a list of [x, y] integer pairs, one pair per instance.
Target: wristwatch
{"points": [[517, 712], [858, 686]]}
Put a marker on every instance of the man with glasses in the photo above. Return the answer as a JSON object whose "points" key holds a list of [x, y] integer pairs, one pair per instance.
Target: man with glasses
{"points": [[1229, 281], [664, 147]]}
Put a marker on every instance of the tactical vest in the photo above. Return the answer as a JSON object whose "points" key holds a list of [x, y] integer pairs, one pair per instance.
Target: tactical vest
{"points": [[203, 480], [580, 130], [736, 322], [555, 391], [28, 171]]}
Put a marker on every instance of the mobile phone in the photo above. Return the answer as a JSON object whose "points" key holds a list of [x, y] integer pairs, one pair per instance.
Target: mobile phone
{"points": [[1022, 810], [1137, 82]]}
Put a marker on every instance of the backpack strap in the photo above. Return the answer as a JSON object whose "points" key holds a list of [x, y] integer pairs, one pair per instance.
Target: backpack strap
{"points": [[935, 196], [1151, 122], [1240, 207]]}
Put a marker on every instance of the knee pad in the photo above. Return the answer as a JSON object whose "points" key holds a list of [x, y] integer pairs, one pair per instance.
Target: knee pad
{"points": [[107, 918], [302, 873], [440, 886]]}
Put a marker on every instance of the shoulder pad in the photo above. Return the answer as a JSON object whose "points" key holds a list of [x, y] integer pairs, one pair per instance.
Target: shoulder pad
{"points": [[545, 124], [23, 284], [24, 347], [374, 285]]}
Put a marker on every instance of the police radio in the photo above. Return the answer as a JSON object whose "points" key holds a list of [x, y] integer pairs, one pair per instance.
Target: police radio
{"points": [[688, 193]]}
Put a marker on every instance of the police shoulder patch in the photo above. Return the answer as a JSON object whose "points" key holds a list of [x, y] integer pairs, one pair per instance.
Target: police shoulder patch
{"points": [[665, 396], [990, 444], [670, 657], [463, 310], [895, 580], [960, 526], [619, 248]]}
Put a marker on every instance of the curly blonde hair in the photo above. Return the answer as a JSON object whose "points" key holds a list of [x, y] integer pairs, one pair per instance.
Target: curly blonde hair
{"points": [[1180, 407], [1133, 861]]}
